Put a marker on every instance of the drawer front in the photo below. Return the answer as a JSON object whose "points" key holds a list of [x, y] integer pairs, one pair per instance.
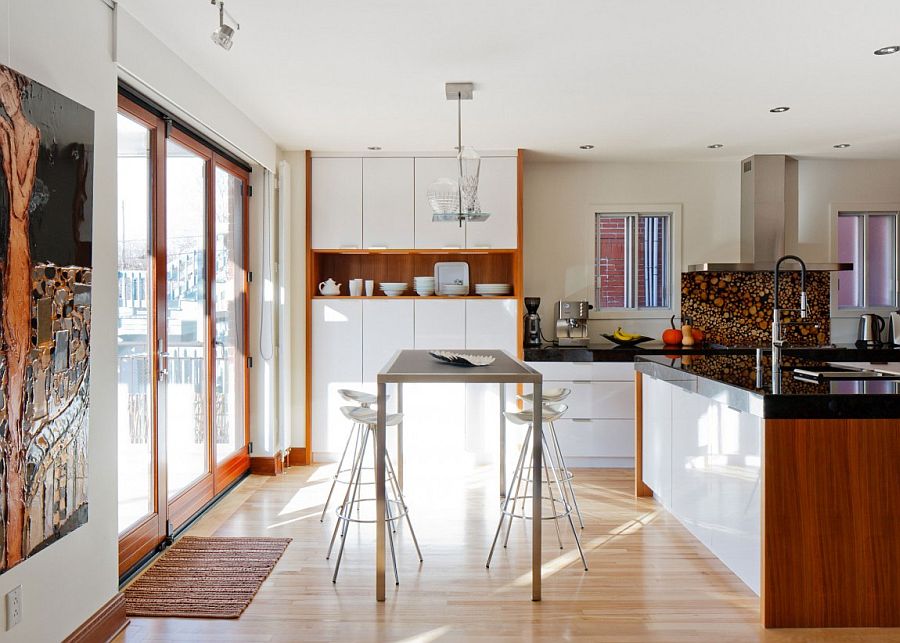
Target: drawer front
{"points": [[612, 371], [563, 371], [596, 438], [597, 400]]}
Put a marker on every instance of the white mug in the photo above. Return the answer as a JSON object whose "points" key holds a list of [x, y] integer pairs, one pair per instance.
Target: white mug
{"points": [[356, 287], [370, 287]]}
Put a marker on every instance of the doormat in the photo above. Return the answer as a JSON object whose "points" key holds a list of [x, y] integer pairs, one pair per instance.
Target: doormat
{"points": [[204, 577]]}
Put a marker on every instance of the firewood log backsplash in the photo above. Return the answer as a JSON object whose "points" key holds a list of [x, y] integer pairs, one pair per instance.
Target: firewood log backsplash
{"points": [[735, 308]]}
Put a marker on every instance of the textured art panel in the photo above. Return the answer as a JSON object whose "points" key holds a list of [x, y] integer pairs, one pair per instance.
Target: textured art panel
{"points": [[46, 178], [735, 308]]}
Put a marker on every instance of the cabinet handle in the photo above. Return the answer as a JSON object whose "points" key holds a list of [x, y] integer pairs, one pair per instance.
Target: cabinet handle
{"points": [[450, 248], [349, 247], [581, 419], [582, 381], [377, 247], [483, 246]]}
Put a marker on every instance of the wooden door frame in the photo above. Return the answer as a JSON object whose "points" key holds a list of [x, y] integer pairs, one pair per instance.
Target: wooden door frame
{"points": [[148, 533]]}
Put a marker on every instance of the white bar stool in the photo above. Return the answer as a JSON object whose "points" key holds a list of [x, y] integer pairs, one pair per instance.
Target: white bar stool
{"points": [[522, 475], [364, 400], [396, 509], [555, 396]]}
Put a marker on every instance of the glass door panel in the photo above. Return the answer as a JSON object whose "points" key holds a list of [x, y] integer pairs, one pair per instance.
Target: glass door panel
{"points": [[186, 322], [228, 377], [136, 435]]}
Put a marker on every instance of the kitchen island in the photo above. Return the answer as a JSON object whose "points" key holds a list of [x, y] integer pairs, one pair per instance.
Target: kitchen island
{"points": [[797, 493]]}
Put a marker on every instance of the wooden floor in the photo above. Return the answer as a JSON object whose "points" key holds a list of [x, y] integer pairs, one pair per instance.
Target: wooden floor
{"points": [[649, 580]]}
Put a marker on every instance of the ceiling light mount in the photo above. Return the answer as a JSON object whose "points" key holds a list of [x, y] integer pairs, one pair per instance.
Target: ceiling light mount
{"points": [[886, 51], [841, 146], [779, 110], [586, 147], [375, 148], [224, 33], [715, 146]]}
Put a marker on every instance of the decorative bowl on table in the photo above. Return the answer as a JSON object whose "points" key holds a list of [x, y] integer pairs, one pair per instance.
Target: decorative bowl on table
{"points": [[462, 359], [632, 341]]}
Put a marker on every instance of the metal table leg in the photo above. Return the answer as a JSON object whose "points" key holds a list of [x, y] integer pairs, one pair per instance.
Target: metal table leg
{"points": [[400, 437], [380, 522], [536, 468], [502, 441]]}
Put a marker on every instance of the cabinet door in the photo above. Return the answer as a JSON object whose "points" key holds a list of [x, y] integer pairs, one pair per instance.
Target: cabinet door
{"points": [[492, 323], [497, 193], [336, 203], [336, 364], [387, 328], [388, 195], [440, 324], [428, 233], [657, 437]]}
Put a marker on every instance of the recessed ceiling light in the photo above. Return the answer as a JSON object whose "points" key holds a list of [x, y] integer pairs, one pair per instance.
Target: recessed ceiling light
{"points": [[779, 110], [715, 146], [374, 148], [841, 146], [586, 147], [884, 51]]}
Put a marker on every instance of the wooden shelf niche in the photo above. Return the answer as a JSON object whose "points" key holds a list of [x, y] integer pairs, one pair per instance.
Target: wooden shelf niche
{"points": [[485, 266]]}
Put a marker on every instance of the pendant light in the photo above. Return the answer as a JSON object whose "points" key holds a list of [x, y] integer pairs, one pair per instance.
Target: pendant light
{"points": [[457, 199]]}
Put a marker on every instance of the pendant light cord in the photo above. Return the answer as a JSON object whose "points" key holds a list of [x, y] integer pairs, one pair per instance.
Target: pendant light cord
{"points": [[459, 160]]}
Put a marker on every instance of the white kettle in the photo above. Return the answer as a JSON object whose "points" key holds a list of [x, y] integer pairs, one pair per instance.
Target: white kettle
{"points": [[328, 287]]}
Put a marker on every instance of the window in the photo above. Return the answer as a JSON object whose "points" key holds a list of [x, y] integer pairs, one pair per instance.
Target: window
{"points": [[869, 241], [633, 267]]}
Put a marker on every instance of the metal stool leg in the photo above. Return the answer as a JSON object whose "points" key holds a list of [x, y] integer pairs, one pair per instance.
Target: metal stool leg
{"points": [[395, 484], [519, 476], [568, 510], [563, 468], [552, 499], [334, 480], [509, 494], [387, 509], [337, 565], [355, 470]]}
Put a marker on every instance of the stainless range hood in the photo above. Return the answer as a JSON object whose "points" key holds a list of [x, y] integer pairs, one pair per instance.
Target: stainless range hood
{"points": [[769, 206]]}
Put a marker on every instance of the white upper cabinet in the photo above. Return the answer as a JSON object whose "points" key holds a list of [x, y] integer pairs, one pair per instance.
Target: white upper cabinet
{"points": [[440, 324], [337, 189], [388, 202], [428, 233], [491, 324], [497, 190]]}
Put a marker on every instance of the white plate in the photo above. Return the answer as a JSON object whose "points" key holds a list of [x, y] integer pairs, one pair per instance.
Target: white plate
{"points": [[394, 284], [449, 273]]}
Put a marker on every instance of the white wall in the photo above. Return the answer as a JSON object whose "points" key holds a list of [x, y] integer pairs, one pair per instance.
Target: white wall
{"points": [[295, 299], [67, 46], [558, 206]]}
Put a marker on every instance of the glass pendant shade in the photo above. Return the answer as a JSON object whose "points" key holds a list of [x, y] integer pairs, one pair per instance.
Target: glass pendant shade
{"points": [[443, 197], [469, 167]]}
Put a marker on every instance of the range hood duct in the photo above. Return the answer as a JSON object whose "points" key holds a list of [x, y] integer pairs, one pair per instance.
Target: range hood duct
{"points": [[769, 209]]}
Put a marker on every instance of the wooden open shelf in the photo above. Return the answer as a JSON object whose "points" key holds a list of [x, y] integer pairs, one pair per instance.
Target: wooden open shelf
{"points": [[381, 296], [485, 266]]}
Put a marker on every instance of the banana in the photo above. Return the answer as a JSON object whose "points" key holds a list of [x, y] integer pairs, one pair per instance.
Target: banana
{"points": [[622, 335]]}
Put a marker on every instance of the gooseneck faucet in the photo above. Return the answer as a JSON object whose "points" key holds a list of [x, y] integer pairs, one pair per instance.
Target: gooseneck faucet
{"points": [[777, 339]]}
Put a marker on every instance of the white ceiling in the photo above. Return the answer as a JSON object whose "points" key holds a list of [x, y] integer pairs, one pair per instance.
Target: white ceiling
{"points": [[639, 79]]}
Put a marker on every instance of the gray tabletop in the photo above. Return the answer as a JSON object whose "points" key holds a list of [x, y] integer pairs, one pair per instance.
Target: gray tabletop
{"points": [[419, 366]]}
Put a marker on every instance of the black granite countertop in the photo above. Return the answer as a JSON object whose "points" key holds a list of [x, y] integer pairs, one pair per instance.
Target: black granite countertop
{"points": [[731, 378], [608, 352]]}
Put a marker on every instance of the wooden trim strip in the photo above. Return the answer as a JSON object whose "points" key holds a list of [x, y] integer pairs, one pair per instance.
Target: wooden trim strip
{"points": [[641, 490], [310, 278], [104, 624], [296, 457], [267, 465]]}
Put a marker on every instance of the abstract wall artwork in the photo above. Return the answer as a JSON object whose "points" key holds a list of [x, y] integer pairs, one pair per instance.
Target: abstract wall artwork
{"points": [[46, 179]]}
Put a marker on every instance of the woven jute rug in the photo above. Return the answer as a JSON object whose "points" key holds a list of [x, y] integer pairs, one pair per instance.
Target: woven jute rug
{"points": [[204, 577]]}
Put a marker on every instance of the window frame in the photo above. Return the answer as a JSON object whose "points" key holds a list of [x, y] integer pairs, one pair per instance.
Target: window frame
{"points": [[675, 268], [864, 210]]}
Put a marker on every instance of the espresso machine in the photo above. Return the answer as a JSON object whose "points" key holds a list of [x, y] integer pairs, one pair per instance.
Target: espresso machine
{"points": [[532, 323], [572, 323]]}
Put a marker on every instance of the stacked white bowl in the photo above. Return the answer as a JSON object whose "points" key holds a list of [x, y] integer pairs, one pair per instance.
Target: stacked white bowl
{"points": [[393, 288], [424, 286], [492, 290], [454, 290]]}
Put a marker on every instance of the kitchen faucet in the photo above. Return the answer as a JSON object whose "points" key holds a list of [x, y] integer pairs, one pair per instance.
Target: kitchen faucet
{"points": [[777, 324]]}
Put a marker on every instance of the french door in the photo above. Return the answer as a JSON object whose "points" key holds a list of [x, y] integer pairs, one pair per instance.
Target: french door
{"points": [[182, 385]]}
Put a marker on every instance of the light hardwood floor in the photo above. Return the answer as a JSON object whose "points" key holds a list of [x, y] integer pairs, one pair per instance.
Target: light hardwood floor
{"points": [[649, 579]]}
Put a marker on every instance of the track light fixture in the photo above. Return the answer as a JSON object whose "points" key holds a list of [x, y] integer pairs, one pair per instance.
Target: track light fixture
{"points": [[224, 34]]}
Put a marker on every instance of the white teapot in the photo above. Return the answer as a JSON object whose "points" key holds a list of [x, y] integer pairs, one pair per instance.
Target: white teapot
{"points": [[328, 287]]}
